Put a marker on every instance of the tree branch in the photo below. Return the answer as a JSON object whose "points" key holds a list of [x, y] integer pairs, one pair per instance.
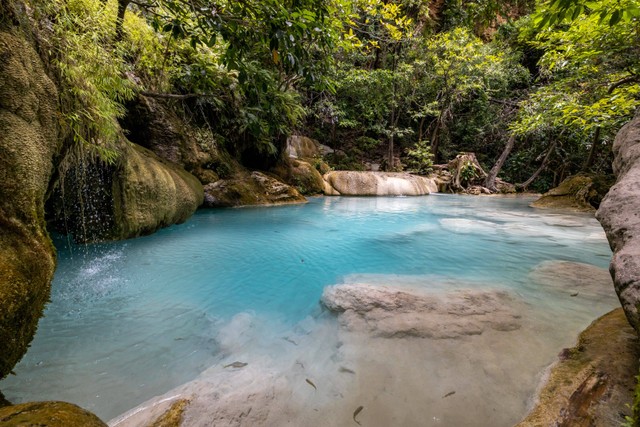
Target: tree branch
{"points": [[621, 82], [174, 95]]}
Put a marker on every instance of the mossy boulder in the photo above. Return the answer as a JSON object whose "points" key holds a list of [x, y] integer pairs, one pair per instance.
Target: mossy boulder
{"points": [[153, 124], [28, 142], [138, 195], [578, 193], [245, 189], [151, 193], [48, 414], [302, 175]]}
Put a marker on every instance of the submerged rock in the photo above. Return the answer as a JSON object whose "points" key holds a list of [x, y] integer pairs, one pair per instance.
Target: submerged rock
{"points": [[390, 312], [619, 214], [246, 189], [573, 278], [591, 384], [28, 143], [352, 183], [48, 414]]}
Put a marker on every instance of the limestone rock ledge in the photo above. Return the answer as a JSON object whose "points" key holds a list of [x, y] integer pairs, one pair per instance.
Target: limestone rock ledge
{"points": [[391, 312], [353, 183], [590, 385], [619, 214]]}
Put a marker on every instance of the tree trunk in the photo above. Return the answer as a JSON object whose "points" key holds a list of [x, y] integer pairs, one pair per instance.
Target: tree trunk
{"points": [[122, 8], [466, 171], [435, 140], [594, 150], [421, 129], [596, 136], [490, 182], [542, 167]]}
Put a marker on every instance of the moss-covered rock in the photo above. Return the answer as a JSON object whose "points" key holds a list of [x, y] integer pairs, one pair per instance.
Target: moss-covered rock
{"points": [[28, 142], [151, 193], [302, 175], [48, 414], [153, 124], [138, 195], [245, 189], [579, 193]]}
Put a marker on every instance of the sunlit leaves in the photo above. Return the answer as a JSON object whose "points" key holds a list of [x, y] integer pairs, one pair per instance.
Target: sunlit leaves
{"points": [[554, 12], [589, 69], [93, 73]]}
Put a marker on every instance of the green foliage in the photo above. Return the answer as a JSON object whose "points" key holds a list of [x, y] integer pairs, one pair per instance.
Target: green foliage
{"points": [[588, 85], [580, 68], [634, 419], [420, 158], [92, 73], [432, 90], [554, 12], [482, 16], [370, 74], [467, 173]]}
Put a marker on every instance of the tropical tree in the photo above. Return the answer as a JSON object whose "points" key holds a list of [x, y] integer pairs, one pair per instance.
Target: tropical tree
{"points": [[589, 80]]}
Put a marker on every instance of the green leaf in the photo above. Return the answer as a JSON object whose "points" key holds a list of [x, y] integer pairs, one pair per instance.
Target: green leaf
{"points": [[615, 17]]}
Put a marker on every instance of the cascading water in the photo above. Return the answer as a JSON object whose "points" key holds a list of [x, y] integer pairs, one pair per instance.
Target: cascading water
{"points": [[131, 320]]}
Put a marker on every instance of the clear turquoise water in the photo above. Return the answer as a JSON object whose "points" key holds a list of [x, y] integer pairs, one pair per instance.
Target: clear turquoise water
{"points": [[133, 319]]}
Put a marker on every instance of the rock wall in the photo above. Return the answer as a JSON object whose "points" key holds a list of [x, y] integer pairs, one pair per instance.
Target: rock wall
{"points": [[619, 214], [28, 142], [350, 183]]}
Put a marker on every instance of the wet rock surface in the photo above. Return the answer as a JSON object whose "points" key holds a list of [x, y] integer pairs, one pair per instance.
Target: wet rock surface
{"points": [[577, 193], [352, 183], [154, 193], [389, 312]]}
